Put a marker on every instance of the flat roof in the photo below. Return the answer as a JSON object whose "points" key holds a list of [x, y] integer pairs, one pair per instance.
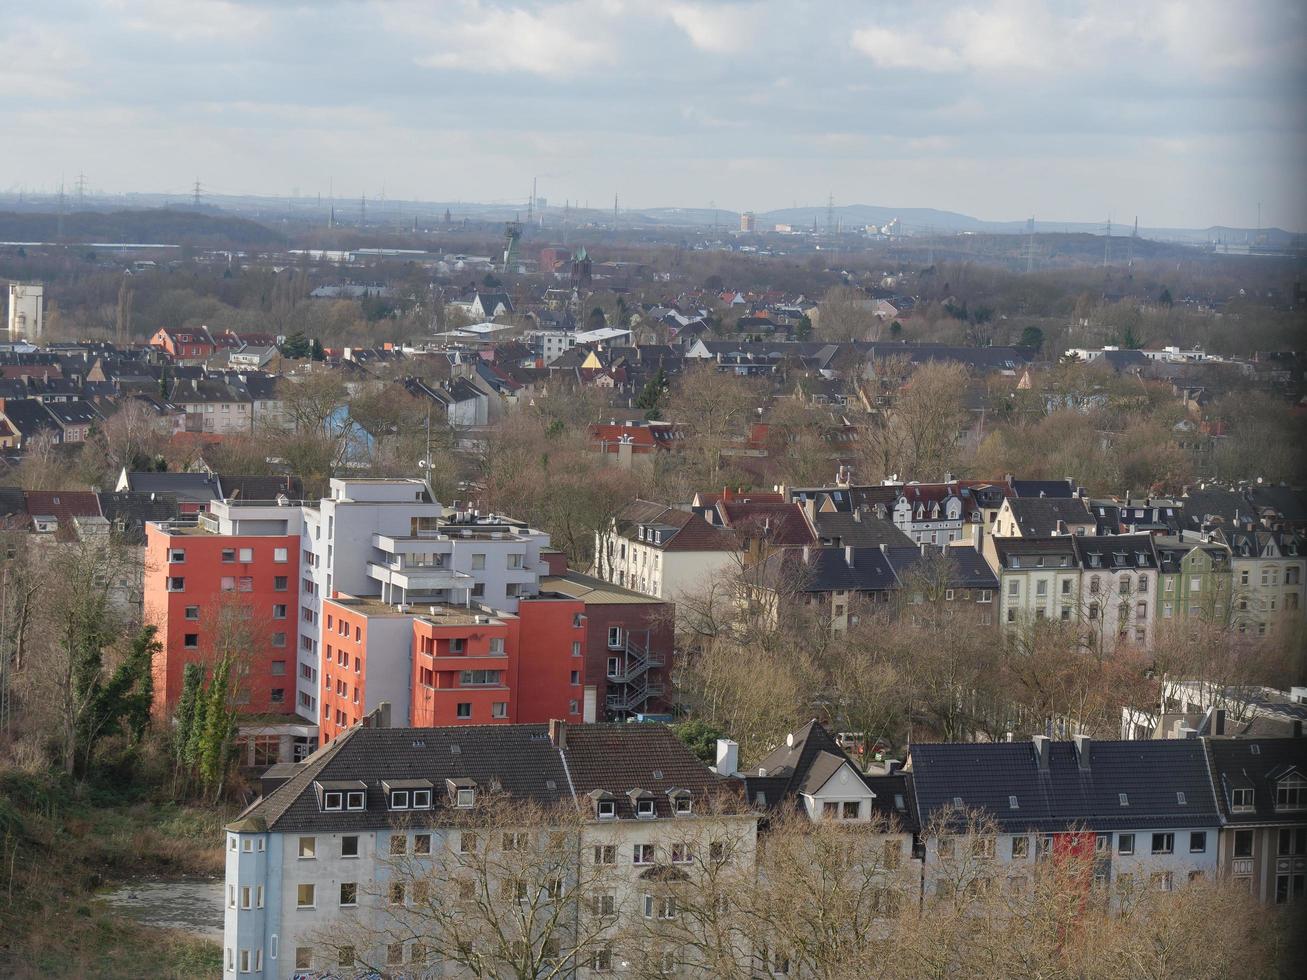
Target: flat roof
{"points": [[590, 589], [369, 605]]}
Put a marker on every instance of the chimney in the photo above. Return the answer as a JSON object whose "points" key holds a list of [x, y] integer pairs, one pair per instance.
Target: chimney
{"points": [[728, 757], [558, 733], [1187, 732], [1220, 721], [893, 766], [382, 715], [848, 555], [590, 706], [1297, 728], [1041, 751], [978, 537], [857, 515], [1083, 742], [925, 550]]}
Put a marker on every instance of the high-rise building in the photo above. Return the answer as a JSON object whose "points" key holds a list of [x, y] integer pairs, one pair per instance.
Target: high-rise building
{"points": [[748, 223], [26, 311]]}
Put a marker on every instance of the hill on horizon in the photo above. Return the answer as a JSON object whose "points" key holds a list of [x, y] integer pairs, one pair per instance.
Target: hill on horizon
{"points": [[161, 226]]}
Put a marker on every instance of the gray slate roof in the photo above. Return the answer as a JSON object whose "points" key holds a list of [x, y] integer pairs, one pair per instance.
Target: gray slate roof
{"points": [[1150, 774]]}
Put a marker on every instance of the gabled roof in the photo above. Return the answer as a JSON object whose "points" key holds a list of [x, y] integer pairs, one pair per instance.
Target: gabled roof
{"points": [[28, 416], [805, 761], [62, 504], [830, 570], [129, 512], [969, 569], [1256, 763], [858, 529], [1152, 777], [518, 760], [778, 524], [1116, 552], [1040, 516], [1042, 488], [682, 530], [260, 487], [1050, 548]]}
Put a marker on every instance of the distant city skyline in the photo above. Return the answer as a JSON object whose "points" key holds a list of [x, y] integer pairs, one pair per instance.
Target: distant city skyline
{"points": [[1188, 114]]}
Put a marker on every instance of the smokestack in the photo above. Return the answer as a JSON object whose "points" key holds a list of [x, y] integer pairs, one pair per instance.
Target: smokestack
{"points": [[558, 733], [1041, 751], [728, 757]]}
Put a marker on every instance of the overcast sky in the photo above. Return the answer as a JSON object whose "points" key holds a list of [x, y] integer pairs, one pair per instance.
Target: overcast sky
{"points": [[1186, 113]]}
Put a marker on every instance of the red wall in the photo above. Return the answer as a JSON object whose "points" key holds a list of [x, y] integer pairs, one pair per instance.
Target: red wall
{"points": [[636, 618], [436, 685], [343, 670], [202, 572], [546, 690]]}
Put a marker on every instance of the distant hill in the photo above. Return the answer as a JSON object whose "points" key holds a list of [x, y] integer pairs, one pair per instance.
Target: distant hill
{"points": [[152, 226]]}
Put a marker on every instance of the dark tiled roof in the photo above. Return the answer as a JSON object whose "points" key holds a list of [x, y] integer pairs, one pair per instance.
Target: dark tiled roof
{"points": [[689, 531], [260, 487], [1289, 503], [1152, 775], [970, 570], [782, 525], [63, 503], [1054, 548], [28, 416], [1043, 488], [186, 487], [831, 570], [1256, 763], [518, 760], [859, 529], [130, 511], [1040, 516], [1203, 506], [1114, 552]]}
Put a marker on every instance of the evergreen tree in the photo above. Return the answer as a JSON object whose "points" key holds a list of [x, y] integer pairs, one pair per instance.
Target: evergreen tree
{"points": [[317, 353], [184, 721], [652, 395]]}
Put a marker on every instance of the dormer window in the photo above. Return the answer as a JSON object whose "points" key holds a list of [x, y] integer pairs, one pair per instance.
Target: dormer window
{"points": [[1241, 799], [465, 798], [644, 808], [355, 800], [421, 799], [399, 799], [681, 802], [333, 801], [606, 809], [1291, 792]]}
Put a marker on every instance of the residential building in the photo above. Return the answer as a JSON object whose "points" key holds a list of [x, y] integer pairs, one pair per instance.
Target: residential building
{"points": [[26, 311], [1144, 811], [1041, 517], [1268, 569], [1039, 578], [664, 552], [1196, 579], [1261, 786], [186, 344], [629, 644], [1118, 587], [315, 851]]}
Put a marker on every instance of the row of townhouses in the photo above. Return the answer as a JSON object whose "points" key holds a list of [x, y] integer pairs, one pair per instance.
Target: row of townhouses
{"points": [[355, 840]]}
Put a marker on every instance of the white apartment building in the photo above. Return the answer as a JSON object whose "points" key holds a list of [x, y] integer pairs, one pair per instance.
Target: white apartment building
{"points": [[26, 311], [1119, 588], [335, 846], [665, 552], [1039, 578]]}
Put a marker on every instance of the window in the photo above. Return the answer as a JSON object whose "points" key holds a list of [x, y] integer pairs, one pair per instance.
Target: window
{"points": [[499, 709], [644, 808], [191, 640], [349, 846], [465, 798], [278, 639], [1014, 588], [1290, 792], [333, 801], [682, 854], [682, 805], [463, 709], [305, 896], [280, 583], [576, 677], [1125, 843], [346, 956], [421, 799], [245, 583], [643, 854], [659, 907], [1143, 583], [279, 554], [176, 555], [303, 957], [399, 799], [398, 844], [601, 960], [277, 695], [1197, 842], [396, 893], [515, 842], [349, 894], [606, 809], [467, 843], [478, 562], [308, 847], [1020, 847], [717, 852], [354, 801], [228, 555], [986, 595], [850, 810], [279, 612], [227, 583], [394, 954], [1243, 843], [247, 555], [605, 854], [1163, 843], [601, 905], [497, 646], [176, 583]]}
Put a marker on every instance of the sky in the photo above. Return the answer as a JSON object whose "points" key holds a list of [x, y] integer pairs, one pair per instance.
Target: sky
{"points": [[1186, 113]]}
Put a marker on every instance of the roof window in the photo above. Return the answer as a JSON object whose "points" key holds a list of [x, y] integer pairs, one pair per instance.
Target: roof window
{"points": [[1124, 799]]}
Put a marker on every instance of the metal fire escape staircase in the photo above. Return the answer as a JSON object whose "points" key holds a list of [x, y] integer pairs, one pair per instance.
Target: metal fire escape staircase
{"points": [[631, 686]]}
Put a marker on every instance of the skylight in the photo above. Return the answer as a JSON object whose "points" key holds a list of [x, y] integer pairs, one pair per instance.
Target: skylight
{"points": [[1125, 799], [1012, 803]]}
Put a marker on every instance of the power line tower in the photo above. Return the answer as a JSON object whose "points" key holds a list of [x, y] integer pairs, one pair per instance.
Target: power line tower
{"points": [[531, 204], [1130, 245], [363, 209], [1030, 245], [81, 189], [1107, 243], [59, 222], [614, 211], [195, 198], [830, 214]]}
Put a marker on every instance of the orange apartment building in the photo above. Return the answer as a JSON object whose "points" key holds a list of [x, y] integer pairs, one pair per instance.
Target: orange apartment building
{"points": [[452, 665], [208, 593]]}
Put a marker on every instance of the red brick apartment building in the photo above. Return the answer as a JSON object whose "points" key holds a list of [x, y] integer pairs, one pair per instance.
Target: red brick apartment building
{"points": [[209, 592]]}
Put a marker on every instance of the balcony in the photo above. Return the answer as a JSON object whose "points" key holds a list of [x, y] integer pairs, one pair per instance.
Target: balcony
{"points": [[420, 578]]}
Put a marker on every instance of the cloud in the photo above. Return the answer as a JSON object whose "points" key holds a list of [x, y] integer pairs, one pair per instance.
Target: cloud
{"points": [[718, 28], [193, 20], [903, 49], [563, 39]]}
